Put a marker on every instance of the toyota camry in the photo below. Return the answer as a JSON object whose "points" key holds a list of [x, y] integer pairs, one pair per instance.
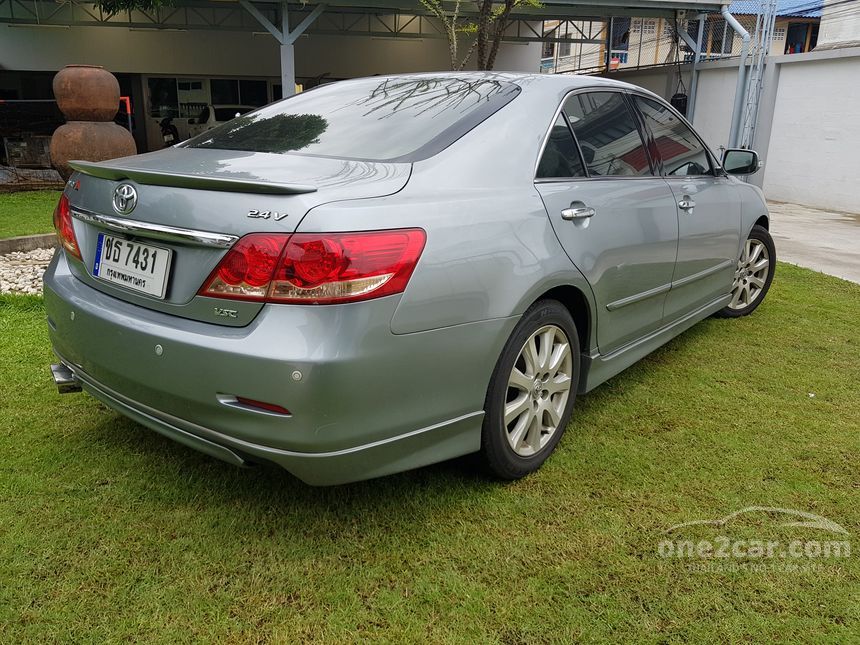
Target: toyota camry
{"points": [[388, 272]]}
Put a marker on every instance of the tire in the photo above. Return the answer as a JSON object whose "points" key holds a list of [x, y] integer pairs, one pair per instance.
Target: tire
{"points": [[541, 393], [750, 285]]}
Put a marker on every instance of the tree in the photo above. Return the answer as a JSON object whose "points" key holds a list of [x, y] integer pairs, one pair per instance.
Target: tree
{"points": [[486, 31], [112, 7]]}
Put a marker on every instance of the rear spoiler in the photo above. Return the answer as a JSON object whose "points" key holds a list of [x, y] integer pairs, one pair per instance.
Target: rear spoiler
{"points": [[179, 180]]}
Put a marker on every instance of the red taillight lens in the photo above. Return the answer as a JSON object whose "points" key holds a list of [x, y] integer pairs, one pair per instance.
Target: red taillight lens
{"points": [[313, 268], [246, 270], [65, 230]]}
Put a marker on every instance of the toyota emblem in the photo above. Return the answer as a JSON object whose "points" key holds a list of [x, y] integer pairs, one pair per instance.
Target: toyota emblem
{"points": [[124, 199]]}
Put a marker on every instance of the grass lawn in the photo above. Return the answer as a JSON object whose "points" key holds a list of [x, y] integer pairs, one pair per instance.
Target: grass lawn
{"points": [[109, 532], [27, 212]]}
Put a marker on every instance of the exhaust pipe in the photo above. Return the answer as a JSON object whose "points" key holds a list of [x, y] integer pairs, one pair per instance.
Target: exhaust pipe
{"points": [[65, 379]]}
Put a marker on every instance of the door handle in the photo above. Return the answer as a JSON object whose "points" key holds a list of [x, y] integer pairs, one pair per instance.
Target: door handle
{"points": [[686, 204], [577, 212]]}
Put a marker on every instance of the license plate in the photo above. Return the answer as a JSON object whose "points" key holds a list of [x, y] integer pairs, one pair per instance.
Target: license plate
{"points": [[132, 265]]}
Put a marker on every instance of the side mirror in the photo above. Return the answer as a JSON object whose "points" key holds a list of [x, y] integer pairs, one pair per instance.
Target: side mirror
{"points": [[740, 162]]}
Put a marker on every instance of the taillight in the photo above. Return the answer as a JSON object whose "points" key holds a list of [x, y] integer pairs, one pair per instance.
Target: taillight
{"points": [[245, 273], [65, 230], [317, 268]]}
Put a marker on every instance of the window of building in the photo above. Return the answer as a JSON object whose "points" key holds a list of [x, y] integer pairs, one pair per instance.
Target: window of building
{"points": [[231, 91], [620, 33], [608, 135], [163, 97], [563, 50], [799, 38], [728, 40], [254, 93], [225, 91], [560, 157], [681, 151], [718, 31]]}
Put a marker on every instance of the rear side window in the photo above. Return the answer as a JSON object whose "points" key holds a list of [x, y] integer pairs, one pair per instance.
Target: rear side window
{"points": [[373, 119], [681, 151], [608, 135], [560, 157]]}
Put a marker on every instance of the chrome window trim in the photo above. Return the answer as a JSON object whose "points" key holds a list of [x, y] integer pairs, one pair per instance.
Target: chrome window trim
{"points": [[156, 231]]}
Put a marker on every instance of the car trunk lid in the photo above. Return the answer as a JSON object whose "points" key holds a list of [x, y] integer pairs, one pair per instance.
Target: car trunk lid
{"points": [[197, 202]]}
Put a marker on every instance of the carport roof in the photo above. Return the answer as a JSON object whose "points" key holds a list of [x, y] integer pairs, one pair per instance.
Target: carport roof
{"points": [[554, 8], [230, 15]]}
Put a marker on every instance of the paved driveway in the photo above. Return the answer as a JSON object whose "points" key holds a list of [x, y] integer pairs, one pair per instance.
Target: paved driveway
{"points": [[821, 240]]}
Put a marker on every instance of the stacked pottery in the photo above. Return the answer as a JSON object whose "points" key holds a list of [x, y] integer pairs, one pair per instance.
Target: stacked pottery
{"points": [[88, 96]]}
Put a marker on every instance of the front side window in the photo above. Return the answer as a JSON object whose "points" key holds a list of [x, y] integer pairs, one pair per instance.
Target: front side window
{"points": [[679, 148], [608, 135], [560, 157]]}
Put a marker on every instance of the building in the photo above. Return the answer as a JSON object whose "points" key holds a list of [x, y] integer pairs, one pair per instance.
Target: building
{"points": [[631, 42]]}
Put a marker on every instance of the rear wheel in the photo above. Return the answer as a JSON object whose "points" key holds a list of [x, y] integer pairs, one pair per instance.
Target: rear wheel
{"points": [[753, 274], [532, 391]]}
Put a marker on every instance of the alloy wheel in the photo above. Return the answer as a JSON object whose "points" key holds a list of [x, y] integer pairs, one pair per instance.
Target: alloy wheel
{"points": [[538, 390], [750, 275]]}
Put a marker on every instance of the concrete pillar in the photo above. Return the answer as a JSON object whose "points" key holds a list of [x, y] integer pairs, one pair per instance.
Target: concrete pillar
{"points": [[840, 26]]}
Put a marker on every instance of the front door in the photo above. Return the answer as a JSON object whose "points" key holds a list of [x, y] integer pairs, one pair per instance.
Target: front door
{"points": [[616, 220], [709, 215]]}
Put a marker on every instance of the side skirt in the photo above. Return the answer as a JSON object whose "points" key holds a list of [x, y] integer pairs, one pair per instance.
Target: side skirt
{"points": [[599, 368]]}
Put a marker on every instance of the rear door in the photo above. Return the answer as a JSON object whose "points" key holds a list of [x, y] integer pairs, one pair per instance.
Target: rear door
{"points": [[614, 217], [709, 213]]}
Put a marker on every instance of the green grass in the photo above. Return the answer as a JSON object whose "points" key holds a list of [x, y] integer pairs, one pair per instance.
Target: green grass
{"points": [[27, 212], [109, 532]]}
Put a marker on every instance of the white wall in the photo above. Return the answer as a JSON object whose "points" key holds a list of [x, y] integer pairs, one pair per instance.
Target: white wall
{"points": [[715, 95], [660, 80], [815, 133]]}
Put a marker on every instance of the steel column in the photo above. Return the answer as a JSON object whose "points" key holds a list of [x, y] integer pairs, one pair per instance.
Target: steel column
{"points": [[737, 110]]}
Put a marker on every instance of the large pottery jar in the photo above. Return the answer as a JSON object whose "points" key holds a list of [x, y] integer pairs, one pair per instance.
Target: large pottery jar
{"points": [[88, 97]]}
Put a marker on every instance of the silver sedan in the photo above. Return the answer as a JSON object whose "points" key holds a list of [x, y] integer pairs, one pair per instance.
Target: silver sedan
{"points": [[384, 273]]}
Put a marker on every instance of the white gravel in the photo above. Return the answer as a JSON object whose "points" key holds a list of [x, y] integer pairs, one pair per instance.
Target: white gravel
{"points": [[21, 271]]}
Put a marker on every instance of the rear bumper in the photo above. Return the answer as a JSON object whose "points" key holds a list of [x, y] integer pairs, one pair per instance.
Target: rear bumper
{"points": [[368, 402], [412, 450]]}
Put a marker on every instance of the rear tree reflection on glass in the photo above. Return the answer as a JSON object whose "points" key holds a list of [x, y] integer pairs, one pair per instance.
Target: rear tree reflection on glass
{"points": [[276, 133], [427, 95]]}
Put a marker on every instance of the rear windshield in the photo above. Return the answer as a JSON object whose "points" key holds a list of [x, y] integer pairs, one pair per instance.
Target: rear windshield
{"points": [[373, 119]]}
